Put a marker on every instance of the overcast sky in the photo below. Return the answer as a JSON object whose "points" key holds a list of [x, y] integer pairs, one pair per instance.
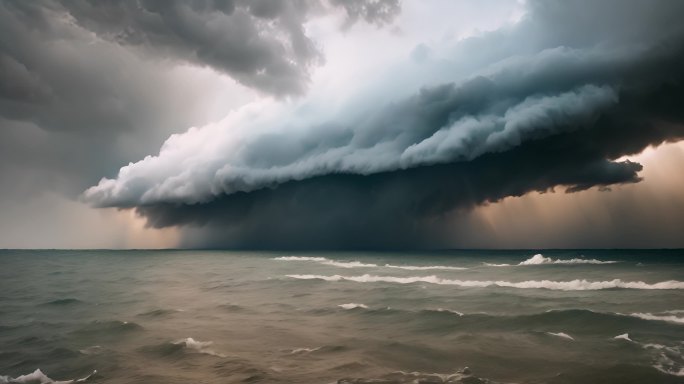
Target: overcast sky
{"points": [[341, 124]]}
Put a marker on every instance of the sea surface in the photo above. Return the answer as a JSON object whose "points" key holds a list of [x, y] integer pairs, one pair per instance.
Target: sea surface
{"points": [[582, 316]]}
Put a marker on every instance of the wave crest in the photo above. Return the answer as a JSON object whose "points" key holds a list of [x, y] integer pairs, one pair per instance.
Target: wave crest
{"points": [[540, 259], [198, 346], [358, 264], [572, 285], [39, 377]]}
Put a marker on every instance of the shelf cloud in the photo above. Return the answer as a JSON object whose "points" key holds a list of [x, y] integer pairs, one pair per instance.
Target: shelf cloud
{"points": [[555, 105]]}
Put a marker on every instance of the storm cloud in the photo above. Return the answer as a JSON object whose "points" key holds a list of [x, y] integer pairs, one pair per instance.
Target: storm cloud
{"points": [[552, 101], [86, 86], [261, 44]]}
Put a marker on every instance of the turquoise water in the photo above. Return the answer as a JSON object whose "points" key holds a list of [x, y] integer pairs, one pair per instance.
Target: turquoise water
{"points": [[323, 317]]}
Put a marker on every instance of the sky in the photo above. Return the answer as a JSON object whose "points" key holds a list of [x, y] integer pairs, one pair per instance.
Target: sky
{"points": [[330, 124]]}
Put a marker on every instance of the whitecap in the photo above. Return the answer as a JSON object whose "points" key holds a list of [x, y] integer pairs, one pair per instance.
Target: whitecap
{"points": [[38, 377], [540, 259], [561, 334], [198, 346], [358, 264], [624, 336], [448, 310], [425, 268], [299, 258], [304, 350], [667, 318], [571, 285], [353, 306], [348, 264]]}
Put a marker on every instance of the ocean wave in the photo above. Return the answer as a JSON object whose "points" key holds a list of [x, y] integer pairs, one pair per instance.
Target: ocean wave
{"points": [[326, 261], [400, 377], [425, 268], [92, 350], [561, 335], [299, 258], [571, 285], [669, 360], [540, 259], [304, 350], [353, 306], [666, 318], [358, 264], [624, 336], [198, 346], [38, 377], [65, 301], [443, 310]]}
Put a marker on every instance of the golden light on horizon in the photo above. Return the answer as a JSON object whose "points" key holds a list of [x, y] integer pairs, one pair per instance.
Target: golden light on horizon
{"points": [[598, 218]]}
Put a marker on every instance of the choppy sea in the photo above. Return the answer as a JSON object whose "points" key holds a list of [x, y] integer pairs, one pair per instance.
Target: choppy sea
{"points": [[581, 316]]}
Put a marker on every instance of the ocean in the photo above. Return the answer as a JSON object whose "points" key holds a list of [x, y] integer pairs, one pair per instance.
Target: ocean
{"points": [[183, 316]]}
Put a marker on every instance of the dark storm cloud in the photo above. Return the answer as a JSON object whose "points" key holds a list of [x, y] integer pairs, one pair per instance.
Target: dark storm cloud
{"points": [[563, 94], [94, 80], [261, 44]]}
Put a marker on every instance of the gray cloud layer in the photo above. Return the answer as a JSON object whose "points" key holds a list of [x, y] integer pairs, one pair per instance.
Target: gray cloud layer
{"points": [[86, 86], [262, 43], [554, 101]]}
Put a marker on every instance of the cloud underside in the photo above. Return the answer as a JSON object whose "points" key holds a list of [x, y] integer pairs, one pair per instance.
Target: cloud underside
{"points": [[549, 108], [400, 208]]}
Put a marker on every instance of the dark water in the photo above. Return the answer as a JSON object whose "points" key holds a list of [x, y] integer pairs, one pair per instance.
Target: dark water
{"points": [[240, 317]]}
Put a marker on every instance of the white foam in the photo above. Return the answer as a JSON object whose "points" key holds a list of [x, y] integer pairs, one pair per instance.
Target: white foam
{"points": [[198, 346], [448, 310], [348, 264], [624, 336], [353, 306], [540, 259], [304, 350], [425, 268], [665, 360], [358, 264], [38, 377], [572, 285], [299, 258], [561, 334], [667, 318]]}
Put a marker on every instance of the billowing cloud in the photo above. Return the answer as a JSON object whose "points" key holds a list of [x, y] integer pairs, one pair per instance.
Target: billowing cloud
{"points": [[550, 102], [86, 86], [261, 44]]}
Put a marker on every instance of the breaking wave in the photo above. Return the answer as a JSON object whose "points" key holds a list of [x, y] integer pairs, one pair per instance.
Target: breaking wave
{"points": [[571, 285], [561, 335], [624, 336], [540, 259], [666, 318], [304, 350], [198, 346], [425, 268], [353, 306], [38, 377], [358, 264]]}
